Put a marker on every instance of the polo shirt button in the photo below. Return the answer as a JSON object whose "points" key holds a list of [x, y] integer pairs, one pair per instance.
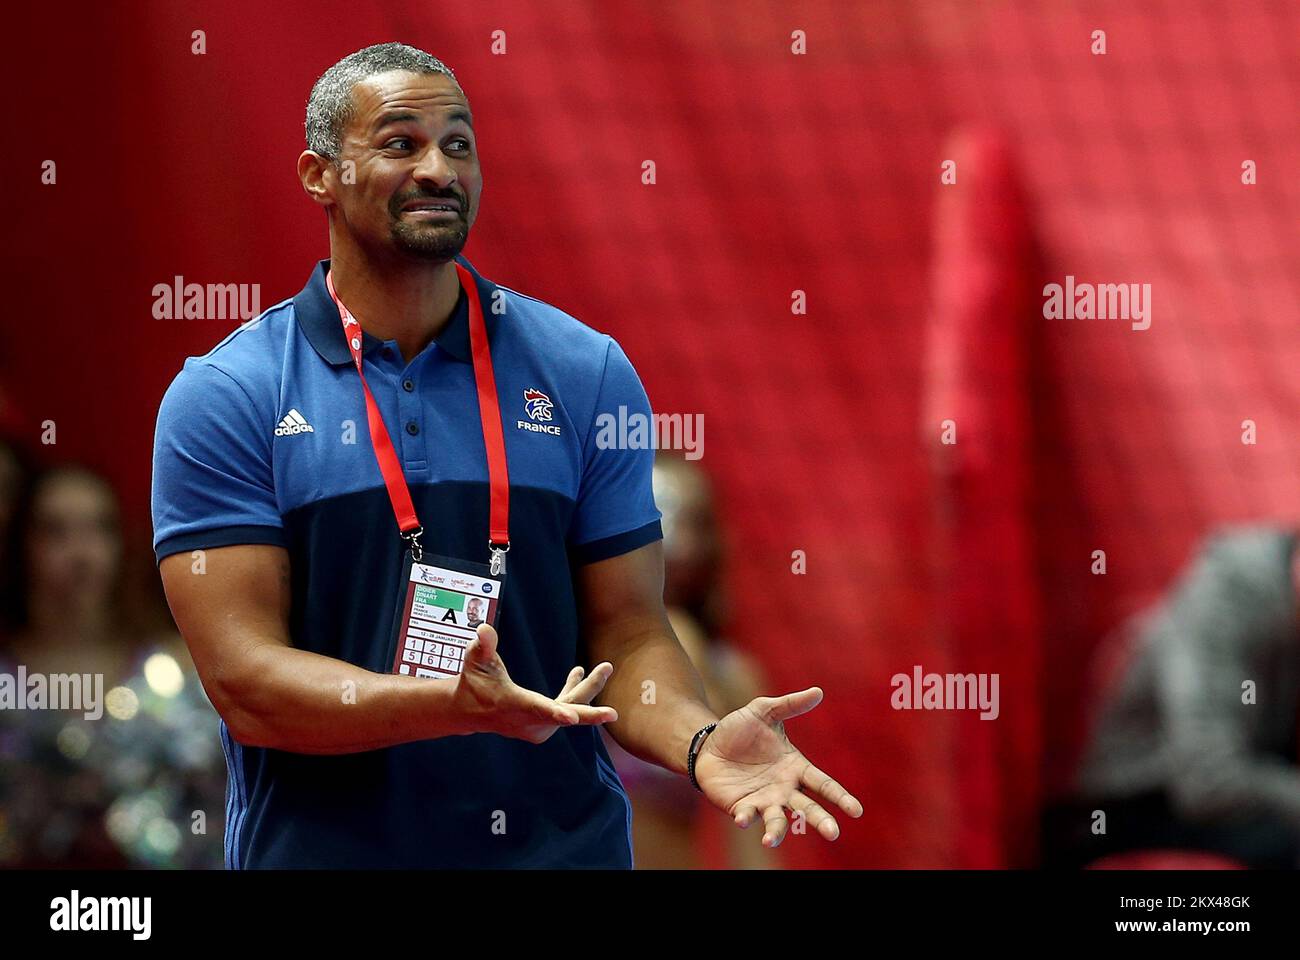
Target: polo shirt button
{"points": [[408, 385], [412, 427]]}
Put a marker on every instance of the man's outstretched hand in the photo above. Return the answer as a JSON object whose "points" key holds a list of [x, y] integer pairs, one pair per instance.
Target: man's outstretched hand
{"points": [[490, 702], [749, 768]]}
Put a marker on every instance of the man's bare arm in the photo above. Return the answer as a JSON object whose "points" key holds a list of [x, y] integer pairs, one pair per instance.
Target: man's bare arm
{"points": [[235, 619], [623, 615]]}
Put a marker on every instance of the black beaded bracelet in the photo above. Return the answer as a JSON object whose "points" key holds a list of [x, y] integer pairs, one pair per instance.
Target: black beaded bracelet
{"points": [[694, 751]]}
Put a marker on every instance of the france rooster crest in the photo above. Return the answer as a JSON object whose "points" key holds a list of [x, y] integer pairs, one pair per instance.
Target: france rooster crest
{"points": [[537, 404]]}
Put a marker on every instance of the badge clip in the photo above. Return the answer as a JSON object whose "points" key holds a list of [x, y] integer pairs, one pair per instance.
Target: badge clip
{"points": [[412, 537], [498, 566]]}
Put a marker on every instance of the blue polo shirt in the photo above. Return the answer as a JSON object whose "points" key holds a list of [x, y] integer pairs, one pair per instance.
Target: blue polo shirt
{"points": [[264, 440]]}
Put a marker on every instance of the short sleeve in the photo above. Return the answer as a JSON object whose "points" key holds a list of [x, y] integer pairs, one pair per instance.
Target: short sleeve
{"points": [[616, 511], [213, 484]]}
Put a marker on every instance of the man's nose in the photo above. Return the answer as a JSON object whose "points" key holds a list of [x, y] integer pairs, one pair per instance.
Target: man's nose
{"points": [[435, 168]]}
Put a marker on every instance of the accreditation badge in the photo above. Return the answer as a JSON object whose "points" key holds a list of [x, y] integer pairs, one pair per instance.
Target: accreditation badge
{"points": [[438, 613]]}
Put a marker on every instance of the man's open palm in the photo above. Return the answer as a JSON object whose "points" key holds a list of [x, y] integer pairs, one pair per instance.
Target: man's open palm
{"points": [[749, 768]]}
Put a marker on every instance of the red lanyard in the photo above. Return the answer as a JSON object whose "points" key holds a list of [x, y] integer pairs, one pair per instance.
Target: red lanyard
{"points": [[489, 412]]}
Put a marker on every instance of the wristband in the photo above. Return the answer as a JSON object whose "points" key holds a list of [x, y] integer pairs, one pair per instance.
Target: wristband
{"points": [[694, 751]]}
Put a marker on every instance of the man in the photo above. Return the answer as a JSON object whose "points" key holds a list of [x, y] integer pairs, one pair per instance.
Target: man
{"points": [[474, 612], [1195, 744], [279, 549]]}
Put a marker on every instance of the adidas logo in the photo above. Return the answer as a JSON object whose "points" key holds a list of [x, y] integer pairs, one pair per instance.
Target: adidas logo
{"points": [[293, 422]]}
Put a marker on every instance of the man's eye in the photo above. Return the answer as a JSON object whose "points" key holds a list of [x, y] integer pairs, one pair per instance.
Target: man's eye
{"points": [[459, 140], [399, 143]]}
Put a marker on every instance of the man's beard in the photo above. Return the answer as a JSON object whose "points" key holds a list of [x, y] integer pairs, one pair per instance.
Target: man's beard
{"points": [[429, 242]]}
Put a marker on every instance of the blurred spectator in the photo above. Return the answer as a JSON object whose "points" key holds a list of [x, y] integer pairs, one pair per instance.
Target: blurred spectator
{"points": [[121, 789], [665, 806], [1195, 746]]}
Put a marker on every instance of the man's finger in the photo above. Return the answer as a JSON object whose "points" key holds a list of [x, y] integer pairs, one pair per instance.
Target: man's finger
{"points": [[775, 823], [548, 710], [815, 815], [590, 688], [746, 815], [483, 647], [830, 791], [780, 709], [592, 716], [575, 675]]}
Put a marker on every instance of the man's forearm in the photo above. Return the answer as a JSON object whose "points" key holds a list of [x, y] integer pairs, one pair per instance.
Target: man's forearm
{"points": [[290, 699], [659, 698]]}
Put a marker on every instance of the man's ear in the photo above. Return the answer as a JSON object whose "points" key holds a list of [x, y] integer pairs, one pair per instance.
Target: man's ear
{"points": [[318, 176]]}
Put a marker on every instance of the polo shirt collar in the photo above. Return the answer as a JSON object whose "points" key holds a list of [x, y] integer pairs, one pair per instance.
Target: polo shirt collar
{"points": [[319, 319]]}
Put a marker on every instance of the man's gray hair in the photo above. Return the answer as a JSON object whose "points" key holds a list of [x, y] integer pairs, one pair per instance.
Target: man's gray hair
{"points": [[330, 105]]}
